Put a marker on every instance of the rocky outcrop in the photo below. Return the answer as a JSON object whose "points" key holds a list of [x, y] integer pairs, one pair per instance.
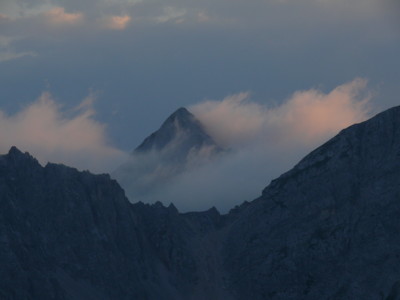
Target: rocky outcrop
{"points": [[66, 234], [328, 228], [181, 129]]}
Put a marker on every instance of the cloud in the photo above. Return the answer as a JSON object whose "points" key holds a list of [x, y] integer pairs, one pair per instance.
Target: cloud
{"points": [[264, 142], [4, 18], [117, 22], [57, 15], [7, 52], [15, 9], [121, 2], [312, 115], [146, 173], [172, 14], [10, 55], [202, 17], [307, 116], [49, 134], [5, 41]]}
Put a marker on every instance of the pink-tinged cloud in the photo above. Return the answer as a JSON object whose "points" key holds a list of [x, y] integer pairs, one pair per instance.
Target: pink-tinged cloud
{"points": [[307, 117], [117, 22], [202, 17], [264, 141], [4, 18], [43, 130], [57, 15], [312, 115]]}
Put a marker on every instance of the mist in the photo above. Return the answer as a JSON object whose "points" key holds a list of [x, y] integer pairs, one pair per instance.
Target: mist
{"points": [[263, 141], [51, 134]]}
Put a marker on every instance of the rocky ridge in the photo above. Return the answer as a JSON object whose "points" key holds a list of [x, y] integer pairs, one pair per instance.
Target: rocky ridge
{"points": [[183, 130], [327, 229]]}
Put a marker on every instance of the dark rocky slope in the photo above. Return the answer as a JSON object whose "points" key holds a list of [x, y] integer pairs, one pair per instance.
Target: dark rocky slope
{"points": [[180, 128], [327, 229], [66, 234]]}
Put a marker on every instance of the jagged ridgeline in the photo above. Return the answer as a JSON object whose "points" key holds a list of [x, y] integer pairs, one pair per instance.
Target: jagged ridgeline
{"points": [[327, 229]]}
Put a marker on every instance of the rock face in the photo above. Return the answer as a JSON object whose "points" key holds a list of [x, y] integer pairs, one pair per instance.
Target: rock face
{"points": [[327, 229], [66, 234], [181, 131], [180, 144]]}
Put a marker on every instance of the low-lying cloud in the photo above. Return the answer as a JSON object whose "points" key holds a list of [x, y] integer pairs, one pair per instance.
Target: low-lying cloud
{"points": [[73, 138], [265, 141], [306, 117]]}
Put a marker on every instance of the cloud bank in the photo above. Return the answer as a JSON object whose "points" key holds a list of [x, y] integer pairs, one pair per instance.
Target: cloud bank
{"points": [[306, 117], [265, 141], [73, 138], [57, 15], [117, 22]]}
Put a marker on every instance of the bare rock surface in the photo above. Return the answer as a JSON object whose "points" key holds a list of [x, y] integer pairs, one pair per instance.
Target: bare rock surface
{"points": [[329, 228]]}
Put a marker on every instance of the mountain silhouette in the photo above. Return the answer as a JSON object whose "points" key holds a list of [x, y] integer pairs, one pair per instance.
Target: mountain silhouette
{"points": [[326, 229]]}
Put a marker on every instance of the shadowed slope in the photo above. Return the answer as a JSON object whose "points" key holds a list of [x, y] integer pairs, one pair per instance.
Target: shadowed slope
{"points": [[327, 229]]}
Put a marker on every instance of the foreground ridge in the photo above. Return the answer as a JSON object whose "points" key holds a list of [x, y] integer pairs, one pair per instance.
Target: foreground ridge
{"points": [[327, 229]]}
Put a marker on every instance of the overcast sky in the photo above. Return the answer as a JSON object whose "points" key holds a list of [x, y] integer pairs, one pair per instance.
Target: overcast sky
{"points": [[143, 59], [116, 69]]}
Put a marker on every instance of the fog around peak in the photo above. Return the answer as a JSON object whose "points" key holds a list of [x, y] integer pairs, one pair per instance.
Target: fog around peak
{"points": [[263, 141]]}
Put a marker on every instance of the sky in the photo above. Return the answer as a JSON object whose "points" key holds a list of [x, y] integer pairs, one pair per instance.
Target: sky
{"points": [[83, 82]]}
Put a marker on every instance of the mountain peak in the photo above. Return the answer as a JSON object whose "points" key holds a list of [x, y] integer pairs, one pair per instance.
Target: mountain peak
{"points": [[17, 155], [180, 127], [180, 144], [180, 113], [15, 151]]}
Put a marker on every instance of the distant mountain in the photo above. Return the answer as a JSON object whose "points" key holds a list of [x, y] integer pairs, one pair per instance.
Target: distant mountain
{"points": [[180, 131], [327, 229], [180, 144]]}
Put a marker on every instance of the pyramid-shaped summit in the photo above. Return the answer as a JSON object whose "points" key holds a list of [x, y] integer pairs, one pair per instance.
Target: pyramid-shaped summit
{"points": [[182, 130], [180, 144]]}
